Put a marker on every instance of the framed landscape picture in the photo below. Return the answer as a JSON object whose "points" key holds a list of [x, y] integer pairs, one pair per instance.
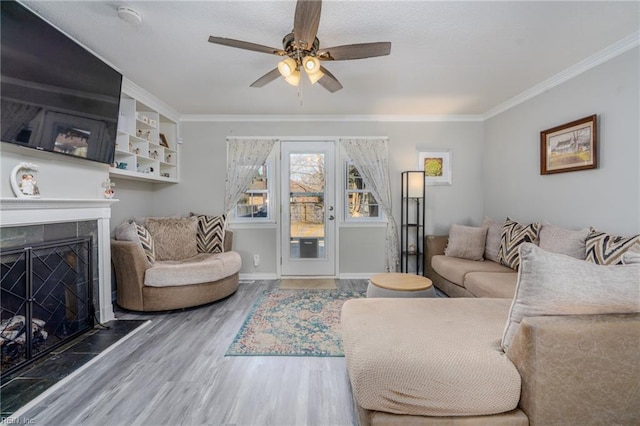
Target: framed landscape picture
{"points": [[436, 166], [570, 147]]}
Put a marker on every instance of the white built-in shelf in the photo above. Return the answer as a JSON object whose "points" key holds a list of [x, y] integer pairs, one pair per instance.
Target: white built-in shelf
{"points": [[140, 153]]}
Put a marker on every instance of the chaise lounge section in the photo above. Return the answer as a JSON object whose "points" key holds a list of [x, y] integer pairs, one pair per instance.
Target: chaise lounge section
{"points": [[562, 351]]}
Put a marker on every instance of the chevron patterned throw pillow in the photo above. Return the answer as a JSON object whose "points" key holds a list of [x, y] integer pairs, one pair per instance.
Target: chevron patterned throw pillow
{"points": [[146, 241], [514, 234], [607, 249], [210, 235]]}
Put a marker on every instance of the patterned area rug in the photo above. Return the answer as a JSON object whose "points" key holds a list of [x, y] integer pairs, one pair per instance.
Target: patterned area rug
{"points": [[293, 323]]}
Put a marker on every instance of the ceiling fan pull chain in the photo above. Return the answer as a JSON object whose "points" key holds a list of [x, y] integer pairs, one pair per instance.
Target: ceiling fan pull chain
{"points": [[300, 95]]}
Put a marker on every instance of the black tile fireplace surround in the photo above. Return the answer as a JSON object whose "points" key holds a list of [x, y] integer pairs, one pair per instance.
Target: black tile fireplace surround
{"points": [[46, 294]]}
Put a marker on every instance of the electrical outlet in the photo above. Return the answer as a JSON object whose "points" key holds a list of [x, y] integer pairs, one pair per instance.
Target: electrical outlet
{"points": [[256, 260]]}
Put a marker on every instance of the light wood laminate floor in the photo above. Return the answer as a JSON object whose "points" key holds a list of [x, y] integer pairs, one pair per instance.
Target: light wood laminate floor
{"points": [[174, 372]]}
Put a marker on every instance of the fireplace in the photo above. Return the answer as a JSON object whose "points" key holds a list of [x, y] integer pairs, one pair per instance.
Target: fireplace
{"points": [[46, 299], [37, 226]]}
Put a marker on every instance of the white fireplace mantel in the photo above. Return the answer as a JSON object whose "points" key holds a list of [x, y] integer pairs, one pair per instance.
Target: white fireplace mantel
{"points": [[38, 211]]}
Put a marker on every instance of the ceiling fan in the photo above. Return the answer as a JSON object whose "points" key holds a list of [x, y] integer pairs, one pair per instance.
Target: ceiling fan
{"points": [[302, 50]]}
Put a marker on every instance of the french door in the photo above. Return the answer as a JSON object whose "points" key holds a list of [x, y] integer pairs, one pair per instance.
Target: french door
{"points": [[308, 208]]}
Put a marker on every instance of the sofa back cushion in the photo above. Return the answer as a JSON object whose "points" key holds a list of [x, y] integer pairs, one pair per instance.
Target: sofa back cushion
{"points": [[492, 245], [555, 284], [466, 242], [175, 239], [564, 241]]}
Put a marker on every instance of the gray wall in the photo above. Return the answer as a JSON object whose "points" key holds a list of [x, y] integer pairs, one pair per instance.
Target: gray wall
{"points": [[607, 198], [136, 198], [203, 165], [495, 168], [58, 176]]}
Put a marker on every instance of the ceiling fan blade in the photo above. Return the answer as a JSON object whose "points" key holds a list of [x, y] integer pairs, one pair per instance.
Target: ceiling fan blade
{"points": [[246, 45], [267, 78], [306, 21], [355, 51], [329, 81]]}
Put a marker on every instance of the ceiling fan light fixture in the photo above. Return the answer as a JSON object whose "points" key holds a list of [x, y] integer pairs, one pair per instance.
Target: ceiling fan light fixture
{"points": [[311, 64], [287, 67], [314, 77], [294, 78]]}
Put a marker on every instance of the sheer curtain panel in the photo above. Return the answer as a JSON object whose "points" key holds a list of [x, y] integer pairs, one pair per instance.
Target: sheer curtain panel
{"points": [[244, 157], [370, 156]]}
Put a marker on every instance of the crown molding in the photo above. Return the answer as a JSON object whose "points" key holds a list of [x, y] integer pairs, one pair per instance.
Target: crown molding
{"points": [[618, 48], [329, 118]]}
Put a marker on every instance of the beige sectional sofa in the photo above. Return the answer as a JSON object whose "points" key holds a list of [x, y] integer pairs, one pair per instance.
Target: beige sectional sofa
{"points": [[176, 263], [479, 265], [562, 351], [458, 277]]}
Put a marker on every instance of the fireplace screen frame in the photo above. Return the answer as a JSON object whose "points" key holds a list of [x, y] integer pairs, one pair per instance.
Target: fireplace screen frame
{"points": [[53, 280]]}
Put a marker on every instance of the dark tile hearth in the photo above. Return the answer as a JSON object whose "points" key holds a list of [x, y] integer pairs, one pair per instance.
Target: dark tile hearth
{"points": [[30, 382]]}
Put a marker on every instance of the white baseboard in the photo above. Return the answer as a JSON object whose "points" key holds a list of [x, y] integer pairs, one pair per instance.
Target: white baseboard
{"points": [[356, 276], [253, 277]]}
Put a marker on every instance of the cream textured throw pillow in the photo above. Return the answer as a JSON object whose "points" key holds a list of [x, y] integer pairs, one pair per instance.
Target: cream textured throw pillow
{"points": [[564, 241], [630, 257], [175, 239], [492, 246], [466, 242], [555, 284]]}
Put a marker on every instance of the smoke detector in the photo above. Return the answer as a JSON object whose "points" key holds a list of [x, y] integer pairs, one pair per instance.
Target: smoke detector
{"points": [[129, 15]]}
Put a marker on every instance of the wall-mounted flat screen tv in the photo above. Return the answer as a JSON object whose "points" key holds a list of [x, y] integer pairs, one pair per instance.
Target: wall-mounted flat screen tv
{"points": [[56, 96]]}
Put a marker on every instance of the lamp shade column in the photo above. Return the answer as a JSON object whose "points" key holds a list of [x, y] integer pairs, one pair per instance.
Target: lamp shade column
{"points": [[412, 225]]}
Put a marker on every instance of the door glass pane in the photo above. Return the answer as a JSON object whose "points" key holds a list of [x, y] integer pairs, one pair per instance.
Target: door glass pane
{"points": [[306, 206]]}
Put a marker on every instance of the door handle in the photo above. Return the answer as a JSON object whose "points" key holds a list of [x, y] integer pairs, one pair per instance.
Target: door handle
{"points": [[331, 217], [330, 208]]}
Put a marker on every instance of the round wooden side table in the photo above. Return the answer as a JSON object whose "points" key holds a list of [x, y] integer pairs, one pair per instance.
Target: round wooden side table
{"points": [[395, 284]]}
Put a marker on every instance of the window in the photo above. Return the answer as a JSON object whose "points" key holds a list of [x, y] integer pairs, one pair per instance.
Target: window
{"points": [[360, 204], [254, 205]]}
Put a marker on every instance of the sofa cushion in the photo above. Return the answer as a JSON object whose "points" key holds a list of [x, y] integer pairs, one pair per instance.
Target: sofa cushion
{"points": [[607, 249], [466, 242], [491, 284], [564, 241], [555, 284], [455, 269], [175, 238], [492, 245], [429, 357], [210, 233], [201, 268], [513, 235]]}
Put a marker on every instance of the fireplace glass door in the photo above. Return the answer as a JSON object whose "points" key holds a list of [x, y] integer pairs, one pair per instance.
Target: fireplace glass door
{"points": [[46, 299]]}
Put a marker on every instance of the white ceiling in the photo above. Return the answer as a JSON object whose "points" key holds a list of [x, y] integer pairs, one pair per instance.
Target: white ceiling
{"points": [[447, 58]]}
